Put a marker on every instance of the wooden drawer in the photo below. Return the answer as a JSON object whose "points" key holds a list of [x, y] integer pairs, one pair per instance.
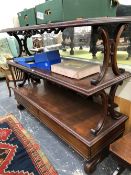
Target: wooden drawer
{"points": [[69, 138]]}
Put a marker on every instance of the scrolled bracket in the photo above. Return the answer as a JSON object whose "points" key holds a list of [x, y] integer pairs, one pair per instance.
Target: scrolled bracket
{"points": [[104, 68], [113, 49], [111, 104], [25, 44], [104, 99]]}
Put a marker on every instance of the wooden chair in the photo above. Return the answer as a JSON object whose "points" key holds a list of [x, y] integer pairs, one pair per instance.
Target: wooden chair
{"points": [[18, 76], [121, 150]]}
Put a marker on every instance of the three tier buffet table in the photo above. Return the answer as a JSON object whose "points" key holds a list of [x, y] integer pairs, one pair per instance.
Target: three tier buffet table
{"points": [[80, 112]]}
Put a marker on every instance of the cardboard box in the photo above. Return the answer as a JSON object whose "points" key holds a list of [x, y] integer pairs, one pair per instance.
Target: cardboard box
{"points": [[27, 17], [66, 10]]}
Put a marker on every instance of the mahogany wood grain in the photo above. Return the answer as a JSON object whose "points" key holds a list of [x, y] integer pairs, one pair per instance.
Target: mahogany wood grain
{"points": [[125, 108], [122, 148], [82, 86], [70, 116], [75, 23]]}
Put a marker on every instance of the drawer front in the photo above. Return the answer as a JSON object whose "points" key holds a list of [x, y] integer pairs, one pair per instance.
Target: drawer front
{"points": [[108, 139], [76, 144], [70, 139]]}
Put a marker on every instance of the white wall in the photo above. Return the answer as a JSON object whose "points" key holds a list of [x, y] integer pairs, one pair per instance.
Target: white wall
{"points": [[10, 8], [126, 2]]}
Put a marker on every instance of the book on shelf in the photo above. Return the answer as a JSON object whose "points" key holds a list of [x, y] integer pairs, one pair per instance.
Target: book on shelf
{"points": [[75, 69]]}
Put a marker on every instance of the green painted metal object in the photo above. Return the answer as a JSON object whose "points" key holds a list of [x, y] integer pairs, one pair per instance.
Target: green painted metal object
{"points": [[27, 17], [66, 10]]}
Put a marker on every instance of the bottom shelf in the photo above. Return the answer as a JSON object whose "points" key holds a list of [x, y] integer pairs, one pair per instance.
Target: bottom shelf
{"points": [[70, 116]]}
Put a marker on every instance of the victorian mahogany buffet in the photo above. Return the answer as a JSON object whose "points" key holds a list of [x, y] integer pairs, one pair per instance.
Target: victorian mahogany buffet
{"points": [[78, 111]]}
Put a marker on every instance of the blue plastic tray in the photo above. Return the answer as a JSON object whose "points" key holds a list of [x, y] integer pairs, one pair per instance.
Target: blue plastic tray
{"points": [[28, 64], [52, 57], [24, 59]]}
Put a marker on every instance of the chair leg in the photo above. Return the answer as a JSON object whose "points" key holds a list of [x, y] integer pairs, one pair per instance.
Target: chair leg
{"points": [[7, 82]]}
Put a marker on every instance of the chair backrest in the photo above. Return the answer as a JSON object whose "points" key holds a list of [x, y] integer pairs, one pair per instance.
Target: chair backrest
{"points": [[18, 75]]}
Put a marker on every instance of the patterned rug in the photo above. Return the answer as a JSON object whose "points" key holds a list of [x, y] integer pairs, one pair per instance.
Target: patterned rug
{"points": [[19, 153]]}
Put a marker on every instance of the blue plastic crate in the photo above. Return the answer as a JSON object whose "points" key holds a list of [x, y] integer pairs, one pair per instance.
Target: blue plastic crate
{"points": [[44, 66], [51, 56], [24, 59], [28, 64]]}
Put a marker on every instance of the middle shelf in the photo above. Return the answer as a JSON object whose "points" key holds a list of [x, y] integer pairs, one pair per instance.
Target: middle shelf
{"points": [[82, 86]]}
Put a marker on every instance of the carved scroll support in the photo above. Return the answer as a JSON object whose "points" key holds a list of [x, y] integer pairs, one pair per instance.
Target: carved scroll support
{"points": [[113, 49], [104, 68], [22, 42], [104, 100], [25, 45], [111, 105]]}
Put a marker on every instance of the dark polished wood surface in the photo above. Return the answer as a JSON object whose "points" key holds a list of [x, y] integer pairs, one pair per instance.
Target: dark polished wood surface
{"points": [[82, 86], [74, 23], [62, 103], [122, 148], [70, 116], [69, 109]]}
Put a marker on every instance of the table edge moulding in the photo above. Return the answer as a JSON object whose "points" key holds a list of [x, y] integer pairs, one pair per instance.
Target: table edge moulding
{"points": [[78, 111]]}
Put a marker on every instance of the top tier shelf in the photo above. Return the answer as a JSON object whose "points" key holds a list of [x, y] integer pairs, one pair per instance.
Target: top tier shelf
{"points": [[75, 23], [100, 25]]}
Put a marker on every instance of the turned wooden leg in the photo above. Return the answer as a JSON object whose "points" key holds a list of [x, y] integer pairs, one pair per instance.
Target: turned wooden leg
{"points": [[93, 41], [8, 86], [72, 49], [80, 48], [90, 166], [20, 107], [113, 48]]}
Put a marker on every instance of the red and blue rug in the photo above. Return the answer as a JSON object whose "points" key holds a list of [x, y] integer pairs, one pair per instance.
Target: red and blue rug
{"points": [[19, 153]]}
